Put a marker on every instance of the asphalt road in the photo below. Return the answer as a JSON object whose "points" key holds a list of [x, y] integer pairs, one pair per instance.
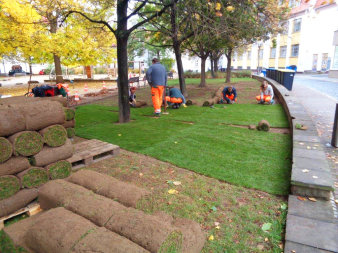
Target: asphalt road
{"points": [[321, 83]]}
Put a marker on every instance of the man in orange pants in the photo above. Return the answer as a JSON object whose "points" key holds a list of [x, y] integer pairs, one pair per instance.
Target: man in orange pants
{"points": [[175, 98], [157, 78]]}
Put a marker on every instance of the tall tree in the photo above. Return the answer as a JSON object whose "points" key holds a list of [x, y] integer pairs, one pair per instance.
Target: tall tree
{"points": [[170, 31], [25, 35], [122, 33]]}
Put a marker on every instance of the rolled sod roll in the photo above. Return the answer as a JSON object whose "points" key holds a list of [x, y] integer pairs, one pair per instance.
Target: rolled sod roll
{"points": [[59, 170], [211, 101], [190, 102], [139, 104], [33, 177], [50, 155], [125, 193], [11, 121], [14, 165], [57, 230], [17, 100], [70, 132], [263, 125], [69, 123], [9, 185], [41, 114], [69, 114], [26, 143], [145, 230], [104, 241], [61, 100], [17, 201], [54, 136], [77, 199], [6, 150]]}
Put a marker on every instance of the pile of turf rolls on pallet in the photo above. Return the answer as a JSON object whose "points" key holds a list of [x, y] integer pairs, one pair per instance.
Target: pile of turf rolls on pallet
{"points": [[34, 146]]}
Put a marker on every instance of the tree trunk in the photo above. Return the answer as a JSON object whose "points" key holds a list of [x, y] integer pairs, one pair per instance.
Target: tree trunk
{"points": [[228, 75], [58, 69], [57, 61], [178, 55], [216, 60], [212, 67], [203, 83], [122, 35]]}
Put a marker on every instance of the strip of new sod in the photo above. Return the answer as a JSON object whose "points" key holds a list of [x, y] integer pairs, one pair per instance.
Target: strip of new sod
{"points": [[200, 139]]}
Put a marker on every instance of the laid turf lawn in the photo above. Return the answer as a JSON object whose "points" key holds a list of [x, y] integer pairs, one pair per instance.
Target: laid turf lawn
{"points": [[199, 139]]}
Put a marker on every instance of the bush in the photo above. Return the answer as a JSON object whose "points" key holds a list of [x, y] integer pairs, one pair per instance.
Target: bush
{"points": [[99, 70], [191, 74], [241, 73]]}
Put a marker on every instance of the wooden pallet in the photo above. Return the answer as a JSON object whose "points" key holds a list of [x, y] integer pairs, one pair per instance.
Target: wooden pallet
{"points": [[30, 210], [91, 151]]}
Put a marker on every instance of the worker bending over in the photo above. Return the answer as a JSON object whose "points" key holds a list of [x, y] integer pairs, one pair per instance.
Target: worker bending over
{"points": [[266, 94], [229, 95], [175, 98], [132, 96], [157, 78]]}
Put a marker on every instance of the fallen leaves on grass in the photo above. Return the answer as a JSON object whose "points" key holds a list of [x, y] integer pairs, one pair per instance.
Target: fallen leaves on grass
{"points": [[172, 191], [283, 207], [213, 208], [266, 227], [211, 238]]}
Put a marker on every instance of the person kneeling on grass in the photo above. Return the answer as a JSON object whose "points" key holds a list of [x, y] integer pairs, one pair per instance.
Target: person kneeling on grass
{"points": [[132, 96], [175, 98], [229, 95], [266, 94]]}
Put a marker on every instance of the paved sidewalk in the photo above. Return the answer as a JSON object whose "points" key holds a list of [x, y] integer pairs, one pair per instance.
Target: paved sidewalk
{"points": [[321, 108]]}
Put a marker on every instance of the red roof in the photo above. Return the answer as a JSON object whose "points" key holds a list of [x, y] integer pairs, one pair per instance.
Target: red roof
{"points": [[305, 4]]}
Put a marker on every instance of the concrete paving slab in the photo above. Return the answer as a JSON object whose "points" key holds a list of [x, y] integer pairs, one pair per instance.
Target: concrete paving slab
{"points": [[313, 233], [319, 210], [311, 164], [308, 145], [308, 138], [292, 247], [314, 154], [312, 179]]}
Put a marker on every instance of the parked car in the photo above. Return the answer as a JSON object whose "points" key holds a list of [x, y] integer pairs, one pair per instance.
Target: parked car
{"points": [[17, 71], [42, 72]]}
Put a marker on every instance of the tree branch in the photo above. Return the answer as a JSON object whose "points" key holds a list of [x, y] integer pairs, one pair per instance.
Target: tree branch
{"points": [[88, 18]]}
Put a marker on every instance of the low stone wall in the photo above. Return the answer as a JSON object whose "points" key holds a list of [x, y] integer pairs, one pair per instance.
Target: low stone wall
{"points": [[311, 222]]}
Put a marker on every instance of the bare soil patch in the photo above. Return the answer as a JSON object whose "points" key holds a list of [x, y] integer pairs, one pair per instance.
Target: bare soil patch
{"points": [[277, 130]]}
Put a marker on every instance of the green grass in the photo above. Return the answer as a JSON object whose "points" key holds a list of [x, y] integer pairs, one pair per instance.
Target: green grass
{"points": [[200, 140], [7, 245]]}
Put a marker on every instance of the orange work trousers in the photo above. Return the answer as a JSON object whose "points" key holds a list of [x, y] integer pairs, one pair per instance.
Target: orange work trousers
{"points": [[157, 97], [231, 97], [266, 98], [173, 100]]}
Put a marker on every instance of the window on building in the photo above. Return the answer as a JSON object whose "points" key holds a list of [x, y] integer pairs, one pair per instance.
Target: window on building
{"points": [[273, 52], [248, 67], [297, 25], [261, 54], [285, 27], [294, 3], [240, 67], [294, 50], [282, 53], [249, 55]]}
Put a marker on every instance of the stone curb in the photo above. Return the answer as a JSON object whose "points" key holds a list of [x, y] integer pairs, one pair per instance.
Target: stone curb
{"points": [[311, 226]]}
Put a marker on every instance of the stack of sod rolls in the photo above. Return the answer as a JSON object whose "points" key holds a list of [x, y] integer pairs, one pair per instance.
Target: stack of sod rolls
{"points": [[34, 146], [70, 122]]}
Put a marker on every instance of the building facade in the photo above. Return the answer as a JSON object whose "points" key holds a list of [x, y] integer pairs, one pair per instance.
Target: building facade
{"points": [[306, 41]]}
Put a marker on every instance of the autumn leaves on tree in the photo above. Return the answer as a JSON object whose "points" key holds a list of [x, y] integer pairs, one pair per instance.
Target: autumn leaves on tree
{"points": [[73, 32]]}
